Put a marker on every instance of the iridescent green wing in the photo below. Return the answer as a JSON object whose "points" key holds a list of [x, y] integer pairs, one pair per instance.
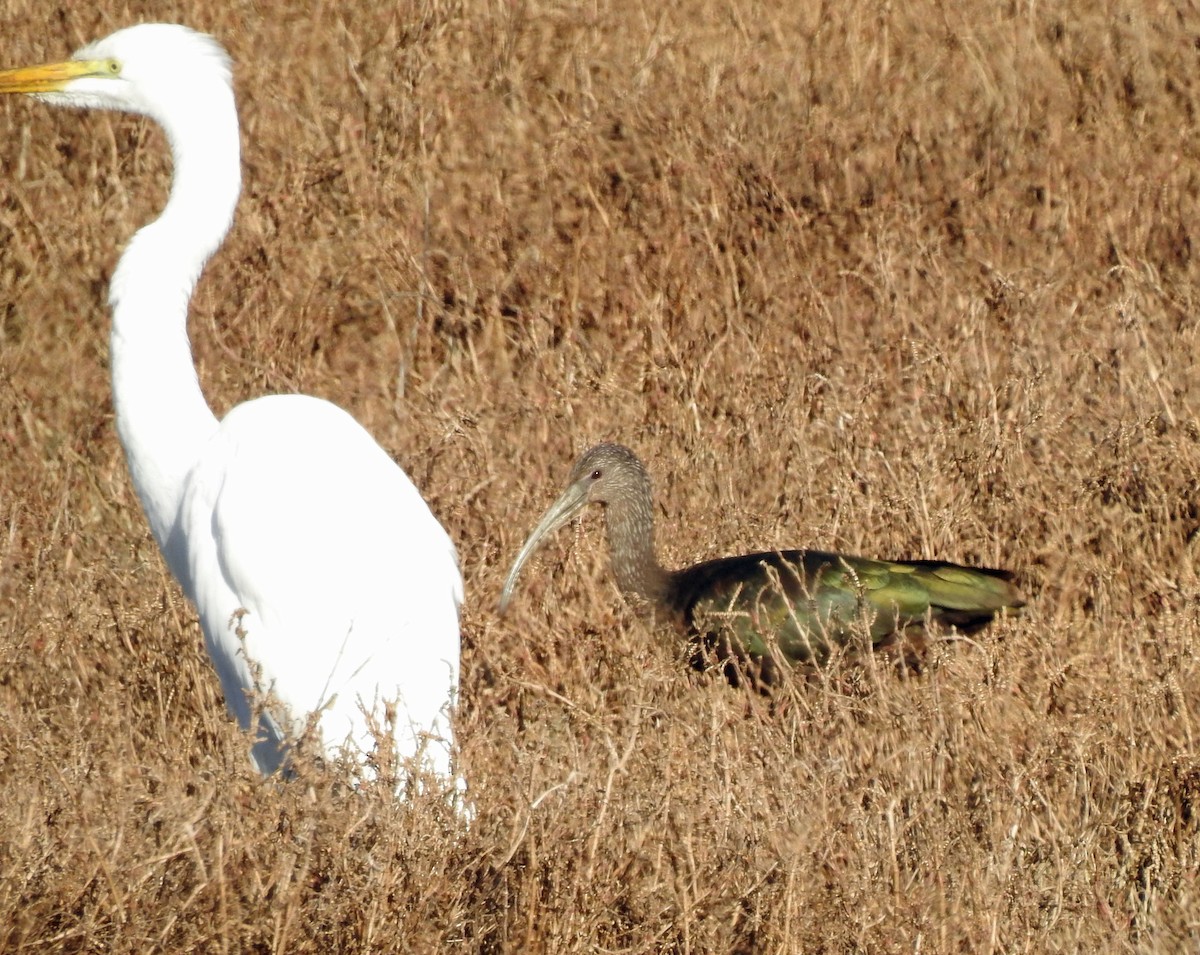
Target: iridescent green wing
{"points": [[805, 601]]}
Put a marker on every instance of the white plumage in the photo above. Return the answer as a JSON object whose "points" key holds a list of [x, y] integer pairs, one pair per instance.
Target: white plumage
{"points": [[323, 583]]}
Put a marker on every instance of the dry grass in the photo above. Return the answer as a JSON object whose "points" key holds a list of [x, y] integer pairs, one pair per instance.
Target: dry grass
{"points": [[905, 280]]}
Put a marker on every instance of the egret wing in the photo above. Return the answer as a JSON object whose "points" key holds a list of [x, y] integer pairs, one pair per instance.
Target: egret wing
{"points": [[327, 583]]}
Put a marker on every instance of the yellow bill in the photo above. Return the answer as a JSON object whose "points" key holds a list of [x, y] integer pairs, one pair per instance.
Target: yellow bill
{"points": [[51, 77]]}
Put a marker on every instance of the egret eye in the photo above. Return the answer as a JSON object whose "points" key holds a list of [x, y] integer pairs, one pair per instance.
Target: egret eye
{"points": [[113, 67]]}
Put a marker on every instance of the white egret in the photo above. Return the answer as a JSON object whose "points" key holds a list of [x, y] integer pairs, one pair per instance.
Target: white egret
{"points": [[326, 589]]}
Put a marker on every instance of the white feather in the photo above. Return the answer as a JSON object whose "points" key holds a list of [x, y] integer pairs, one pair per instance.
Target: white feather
{"points": [[324, 584]]}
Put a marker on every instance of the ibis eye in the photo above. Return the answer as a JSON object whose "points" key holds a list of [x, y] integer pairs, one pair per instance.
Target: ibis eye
{"points": [[597, 474]]}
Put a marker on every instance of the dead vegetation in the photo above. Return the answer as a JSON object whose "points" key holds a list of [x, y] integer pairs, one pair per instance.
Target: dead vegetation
{"points": [[903, 280]]}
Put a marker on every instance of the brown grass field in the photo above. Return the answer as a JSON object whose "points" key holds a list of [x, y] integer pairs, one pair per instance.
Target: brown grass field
{"points": [[911, 280]]}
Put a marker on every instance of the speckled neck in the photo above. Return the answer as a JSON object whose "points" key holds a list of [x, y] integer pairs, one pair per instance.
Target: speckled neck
{"points": [[630, 518]]}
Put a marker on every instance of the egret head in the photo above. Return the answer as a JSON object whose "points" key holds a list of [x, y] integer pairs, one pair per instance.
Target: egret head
{"points": [[156, 69], [181, 80]]}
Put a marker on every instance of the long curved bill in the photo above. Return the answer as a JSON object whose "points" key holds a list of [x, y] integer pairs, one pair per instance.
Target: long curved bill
{"points": [[49, 77], [572, 501]]}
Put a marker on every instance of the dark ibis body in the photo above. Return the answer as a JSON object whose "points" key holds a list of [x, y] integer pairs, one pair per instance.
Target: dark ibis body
{"points": [[755, 609]]}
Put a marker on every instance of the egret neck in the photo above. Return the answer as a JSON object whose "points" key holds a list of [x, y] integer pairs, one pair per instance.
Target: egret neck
{"points": [[162, 418]]}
